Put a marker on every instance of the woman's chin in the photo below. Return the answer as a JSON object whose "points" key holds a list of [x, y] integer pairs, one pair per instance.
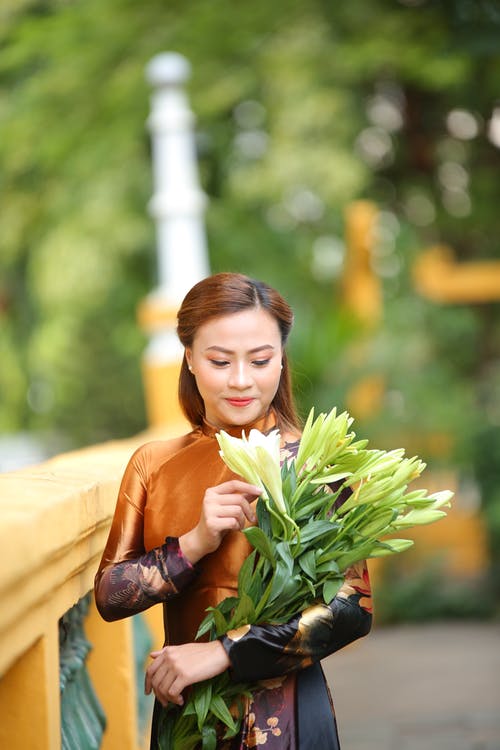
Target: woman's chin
{"points": [[240, 415]]}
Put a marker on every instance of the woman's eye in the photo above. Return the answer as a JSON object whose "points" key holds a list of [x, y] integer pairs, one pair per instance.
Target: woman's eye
{"points": [[261, 362], [219, 362]]}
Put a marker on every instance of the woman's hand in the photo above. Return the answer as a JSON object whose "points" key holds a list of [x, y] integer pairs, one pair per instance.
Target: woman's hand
{"points": [[226, 507], [176, 667]]}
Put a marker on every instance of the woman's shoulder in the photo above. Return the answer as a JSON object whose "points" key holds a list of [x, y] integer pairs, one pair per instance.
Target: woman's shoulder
{"points": [[149, 456]]}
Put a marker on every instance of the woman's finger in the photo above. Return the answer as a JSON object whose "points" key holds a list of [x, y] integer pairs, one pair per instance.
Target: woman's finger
{"points": [[235, 486], [175, 692], [161, 683], [230, 504], [150, 671]]}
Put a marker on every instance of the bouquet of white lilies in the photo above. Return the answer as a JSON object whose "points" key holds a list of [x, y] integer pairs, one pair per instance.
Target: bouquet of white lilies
{"points": [[304, 541]]}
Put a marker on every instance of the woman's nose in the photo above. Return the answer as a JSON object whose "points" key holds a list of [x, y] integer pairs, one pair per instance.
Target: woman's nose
{"points": [[240, 376]]}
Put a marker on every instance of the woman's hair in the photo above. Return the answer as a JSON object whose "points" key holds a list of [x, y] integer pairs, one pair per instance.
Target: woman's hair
{"points": [[224, 294]]}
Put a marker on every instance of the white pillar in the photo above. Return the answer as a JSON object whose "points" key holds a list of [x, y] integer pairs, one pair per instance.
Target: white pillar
{"points": [[178, 202], [177, 206]]}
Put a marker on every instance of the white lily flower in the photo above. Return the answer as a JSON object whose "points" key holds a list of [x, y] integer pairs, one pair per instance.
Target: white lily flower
{"points": [[237, 458], [256, 459]]}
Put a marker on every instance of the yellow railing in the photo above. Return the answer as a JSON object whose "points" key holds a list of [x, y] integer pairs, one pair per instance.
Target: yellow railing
{"points": [[55, 520]]}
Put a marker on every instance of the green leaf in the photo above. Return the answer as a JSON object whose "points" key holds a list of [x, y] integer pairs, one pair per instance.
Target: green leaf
{"points": [[310, 503], [189, 709], [354, 555], [208, 738], [330, 588], [246, 571], [281, 578], [283, 550], [289, 478], [261, 542], [307, 562], [201, 700], [227, 604], [244, 612], [329, 566], [315, 530], [166, 729], [220, 622], [263, 517], [206, 624], [312, 591], [220, 709], [256, 587], [191, 742]]}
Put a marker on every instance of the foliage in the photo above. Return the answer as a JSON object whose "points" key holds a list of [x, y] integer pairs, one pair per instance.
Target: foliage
{"points": [[301, 106], [485, 452], [430, 593]]}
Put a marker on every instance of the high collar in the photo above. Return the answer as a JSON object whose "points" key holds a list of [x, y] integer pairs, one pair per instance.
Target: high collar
{"points": [[265, 424]]}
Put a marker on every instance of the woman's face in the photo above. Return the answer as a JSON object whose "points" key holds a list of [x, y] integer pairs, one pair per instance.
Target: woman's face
{"points": [[236, 360]]}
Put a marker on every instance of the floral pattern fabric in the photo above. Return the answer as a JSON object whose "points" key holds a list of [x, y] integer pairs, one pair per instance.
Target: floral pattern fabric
{"points": [[131, 586], [269, 718]]}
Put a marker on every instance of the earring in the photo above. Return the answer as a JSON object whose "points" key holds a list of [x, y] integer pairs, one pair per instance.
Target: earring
{"points": [[190, 368]]}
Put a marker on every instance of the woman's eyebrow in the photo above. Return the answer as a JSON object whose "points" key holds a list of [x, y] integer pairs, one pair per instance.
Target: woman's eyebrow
{"points": [[229, 351]]}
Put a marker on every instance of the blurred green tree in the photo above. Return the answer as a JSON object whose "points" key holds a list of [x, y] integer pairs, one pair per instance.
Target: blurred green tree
{"points": [[302, 106]]}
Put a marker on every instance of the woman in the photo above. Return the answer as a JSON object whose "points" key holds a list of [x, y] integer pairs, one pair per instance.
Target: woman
{"points": [[175, 536]]}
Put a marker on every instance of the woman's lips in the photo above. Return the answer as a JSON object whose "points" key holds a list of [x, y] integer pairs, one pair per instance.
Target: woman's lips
{"points": [[239, 401]]}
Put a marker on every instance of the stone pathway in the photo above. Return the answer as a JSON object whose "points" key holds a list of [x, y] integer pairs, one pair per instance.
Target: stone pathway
{"points": [[419, 687]]}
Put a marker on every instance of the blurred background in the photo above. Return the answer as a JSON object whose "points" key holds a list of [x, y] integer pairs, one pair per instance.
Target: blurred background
{"points": [[309, 115]]}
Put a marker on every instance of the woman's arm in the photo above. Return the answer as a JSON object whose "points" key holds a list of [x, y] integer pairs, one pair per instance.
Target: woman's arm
{"points": [[129, 579], [131, 586], [258, 652], [176, 667]]}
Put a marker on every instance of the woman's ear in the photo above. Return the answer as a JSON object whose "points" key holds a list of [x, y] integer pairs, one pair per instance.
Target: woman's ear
{"points": [[189, 357]]}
